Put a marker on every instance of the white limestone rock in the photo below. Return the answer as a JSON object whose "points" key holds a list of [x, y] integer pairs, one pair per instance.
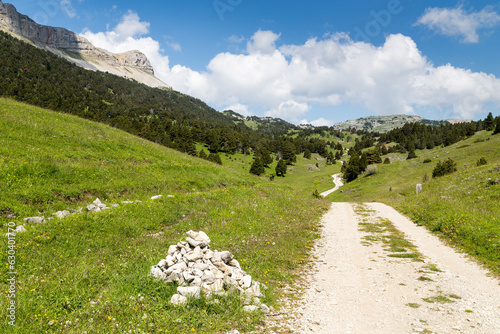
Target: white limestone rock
{"points": [[189, 291], [178, 300], [34, 220], [250, 308], [62, 214]]}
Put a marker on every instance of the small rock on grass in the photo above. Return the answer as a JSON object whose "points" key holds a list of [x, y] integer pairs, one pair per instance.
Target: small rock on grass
{"points": [[178, 300]]}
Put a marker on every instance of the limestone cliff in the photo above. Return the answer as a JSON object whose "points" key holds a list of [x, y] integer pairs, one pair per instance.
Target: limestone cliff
{"points": [[132, 64]]}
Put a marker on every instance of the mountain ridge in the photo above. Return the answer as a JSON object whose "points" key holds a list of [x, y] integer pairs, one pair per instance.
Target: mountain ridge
{"points": [[387, 123], [75, 48]]}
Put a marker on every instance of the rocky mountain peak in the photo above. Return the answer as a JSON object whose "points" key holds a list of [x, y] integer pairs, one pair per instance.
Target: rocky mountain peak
{"points": [[77, 49]]}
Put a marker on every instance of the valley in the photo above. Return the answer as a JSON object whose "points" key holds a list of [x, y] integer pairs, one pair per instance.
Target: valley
{"points": [[384, 224]]}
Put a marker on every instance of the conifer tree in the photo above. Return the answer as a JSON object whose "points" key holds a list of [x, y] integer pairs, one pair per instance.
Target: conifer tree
{"points": [[289, 153], [265, 156], [257, 167], [202, 154], [489, 122], [281, 168], [497, 127], [307, 154], [214, 157]]}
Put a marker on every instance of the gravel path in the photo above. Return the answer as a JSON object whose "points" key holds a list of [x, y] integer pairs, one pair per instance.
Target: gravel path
{"points": [[354, 287], [337, 179]]}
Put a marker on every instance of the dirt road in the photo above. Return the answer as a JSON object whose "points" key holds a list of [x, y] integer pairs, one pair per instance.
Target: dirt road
{"points": [[356, 287], [337, 179]]}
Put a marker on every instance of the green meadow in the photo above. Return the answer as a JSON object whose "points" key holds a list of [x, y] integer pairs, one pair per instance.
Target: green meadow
{"points": [[89, 272]]}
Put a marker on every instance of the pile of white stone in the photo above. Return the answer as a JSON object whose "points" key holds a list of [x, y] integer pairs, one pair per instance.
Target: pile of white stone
{"points": [[198, 269]]}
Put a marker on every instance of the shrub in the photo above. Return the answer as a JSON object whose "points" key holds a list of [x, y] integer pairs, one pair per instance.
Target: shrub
{"points": [[411, 155], [316, 194], [371, 169], [481, 161], [387, 161], [426, 161], [446, 167]]}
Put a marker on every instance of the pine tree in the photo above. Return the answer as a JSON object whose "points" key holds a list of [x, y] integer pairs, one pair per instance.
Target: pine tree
{"points": [[363, 162], [289, 153], [489, 122], [281, 168], [214, 157], [265, 156], [202, 154], [352, 170], [411, 155], [497, 127], [257, 167], [307, 154]]}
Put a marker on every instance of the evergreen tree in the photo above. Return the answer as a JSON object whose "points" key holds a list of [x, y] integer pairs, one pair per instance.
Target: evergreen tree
{"points": [[202, 154], [363, 162], [489, 122], [265, 156], [497, 127], [337, 155], [411, 155], [352, 170], [289, 153], [307, 154], [214, 157], [281, 168], [373, 157], [257, 167]]}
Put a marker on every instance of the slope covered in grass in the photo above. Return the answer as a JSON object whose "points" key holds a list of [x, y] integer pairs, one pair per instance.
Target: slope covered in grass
{"points": [[462, 207], [89, 272]]}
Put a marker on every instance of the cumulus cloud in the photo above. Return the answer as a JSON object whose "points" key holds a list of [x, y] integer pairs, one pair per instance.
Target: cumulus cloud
{"points": [[322, 122], [263, 42], [240, 109], [290, 110], [288, 81], [457, 22]]}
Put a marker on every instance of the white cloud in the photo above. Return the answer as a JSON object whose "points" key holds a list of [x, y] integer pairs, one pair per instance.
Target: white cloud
{"points": [[322, 122], [263, 42], [288, 81], [68, 8], [236, 39], [290, 110], [240, 109], [456, 22]]}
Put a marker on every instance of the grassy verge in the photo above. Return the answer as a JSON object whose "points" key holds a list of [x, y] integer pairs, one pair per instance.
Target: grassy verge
{"points": [[461, 207], [89, 272]]}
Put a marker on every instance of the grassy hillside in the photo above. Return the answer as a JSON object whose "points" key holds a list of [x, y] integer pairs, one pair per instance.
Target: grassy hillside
{"points": [[462, 207], [89, 272]]}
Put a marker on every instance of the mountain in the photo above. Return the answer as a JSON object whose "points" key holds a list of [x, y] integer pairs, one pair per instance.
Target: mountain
{"points": [[384, 123], [270, 125], [132, 64]]}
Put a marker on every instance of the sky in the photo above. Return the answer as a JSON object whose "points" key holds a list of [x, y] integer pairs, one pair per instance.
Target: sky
{"points": [[308, 62]]}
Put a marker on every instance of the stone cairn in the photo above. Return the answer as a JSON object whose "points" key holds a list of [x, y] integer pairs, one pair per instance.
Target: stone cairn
{"points": [[198, 269]]}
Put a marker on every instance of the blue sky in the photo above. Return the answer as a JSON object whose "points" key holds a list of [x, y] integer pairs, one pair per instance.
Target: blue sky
{"points": [[306, 61]]}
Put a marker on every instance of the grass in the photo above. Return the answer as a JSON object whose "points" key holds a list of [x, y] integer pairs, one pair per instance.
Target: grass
{"points": [[461, 207], [384, 231], [441, 299], [89, 272]]}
